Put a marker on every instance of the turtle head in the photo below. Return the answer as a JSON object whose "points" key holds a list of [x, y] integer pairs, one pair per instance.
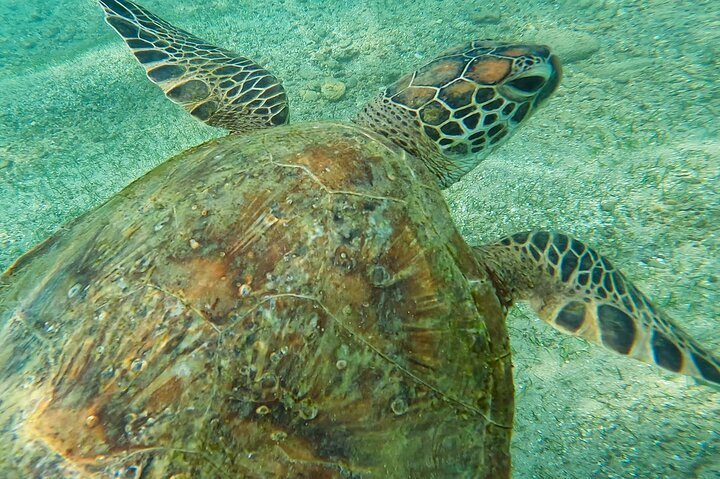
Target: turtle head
{"points": [[457, 108]]}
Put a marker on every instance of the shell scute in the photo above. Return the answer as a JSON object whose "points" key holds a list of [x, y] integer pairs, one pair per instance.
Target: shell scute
{"points": [[323, 308]]}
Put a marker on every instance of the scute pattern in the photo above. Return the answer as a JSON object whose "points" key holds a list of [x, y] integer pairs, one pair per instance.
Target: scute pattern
{"points": [[269, 305], [463, 95], [215, 85]]}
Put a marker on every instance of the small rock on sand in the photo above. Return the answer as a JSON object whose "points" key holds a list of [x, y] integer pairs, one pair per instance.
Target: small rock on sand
{"points": [[332, 90]]}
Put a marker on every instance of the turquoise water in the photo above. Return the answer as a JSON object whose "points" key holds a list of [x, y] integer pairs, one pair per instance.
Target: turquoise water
{"points": [[625, 156]]}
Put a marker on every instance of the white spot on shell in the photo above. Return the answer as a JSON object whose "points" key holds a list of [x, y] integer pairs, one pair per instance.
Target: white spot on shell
{"points": [[91, 421], [137, 365], [308, 410], [121, 283], [143, 263], [72, 292], [244, 290], [182, 370], [177, 309], [399, 406], [28, 382]]}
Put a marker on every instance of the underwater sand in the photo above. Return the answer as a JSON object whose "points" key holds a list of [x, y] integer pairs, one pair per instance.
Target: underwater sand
{"points": [[626, 156]]}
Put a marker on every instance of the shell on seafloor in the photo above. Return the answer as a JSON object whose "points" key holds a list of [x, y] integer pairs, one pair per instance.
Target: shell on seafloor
{"points": [[292, 303]]}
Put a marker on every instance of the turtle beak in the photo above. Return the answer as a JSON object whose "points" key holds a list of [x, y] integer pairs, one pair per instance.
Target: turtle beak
{"points": [[535, 84], [553, 80]]}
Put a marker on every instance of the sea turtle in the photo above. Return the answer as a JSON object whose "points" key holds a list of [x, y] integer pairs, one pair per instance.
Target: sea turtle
{"points": [[295, 301]]}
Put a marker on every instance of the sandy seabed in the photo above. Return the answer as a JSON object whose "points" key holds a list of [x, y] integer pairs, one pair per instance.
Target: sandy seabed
{"points": [[626, 157]]}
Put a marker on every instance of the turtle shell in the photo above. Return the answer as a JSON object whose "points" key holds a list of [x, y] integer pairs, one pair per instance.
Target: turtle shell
{"points": [[291, 303]]}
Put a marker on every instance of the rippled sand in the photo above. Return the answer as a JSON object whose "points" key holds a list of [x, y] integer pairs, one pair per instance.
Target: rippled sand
{"points": [[626, 156]]}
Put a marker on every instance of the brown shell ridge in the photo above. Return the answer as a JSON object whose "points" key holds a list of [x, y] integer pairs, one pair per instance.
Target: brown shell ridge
{"points": [[370, 135], [331, 191], [358, 337], [399, 366], [60, 406], [186, 304]]}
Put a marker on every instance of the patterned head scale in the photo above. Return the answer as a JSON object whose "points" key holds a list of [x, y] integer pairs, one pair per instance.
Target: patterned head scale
{"points": [[454, 110]]}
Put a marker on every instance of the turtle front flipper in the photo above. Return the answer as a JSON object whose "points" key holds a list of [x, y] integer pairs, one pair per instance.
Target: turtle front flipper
{"points": [[215, 85], [580, 293]]}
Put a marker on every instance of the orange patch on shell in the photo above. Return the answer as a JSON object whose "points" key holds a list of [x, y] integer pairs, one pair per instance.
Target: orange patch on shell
{"points": [[337, 165], [79, 434], [209, 284], [489, 70], [166, 394]]}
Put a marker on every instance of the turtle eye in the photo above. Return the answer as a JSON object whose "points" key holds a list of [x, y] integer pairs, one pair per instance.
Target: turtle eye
{"points": [[529, 84]]}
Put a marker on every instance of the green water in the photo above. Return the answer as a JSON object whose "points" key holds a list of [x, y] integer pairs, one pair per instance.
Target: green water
{"points": [[626, 156]]}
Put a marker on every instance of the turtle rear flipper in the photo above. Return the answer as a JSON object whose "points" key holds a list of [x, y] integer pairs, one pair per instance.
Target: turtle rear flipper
{"points": [[215, 85], [580, 293]]}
